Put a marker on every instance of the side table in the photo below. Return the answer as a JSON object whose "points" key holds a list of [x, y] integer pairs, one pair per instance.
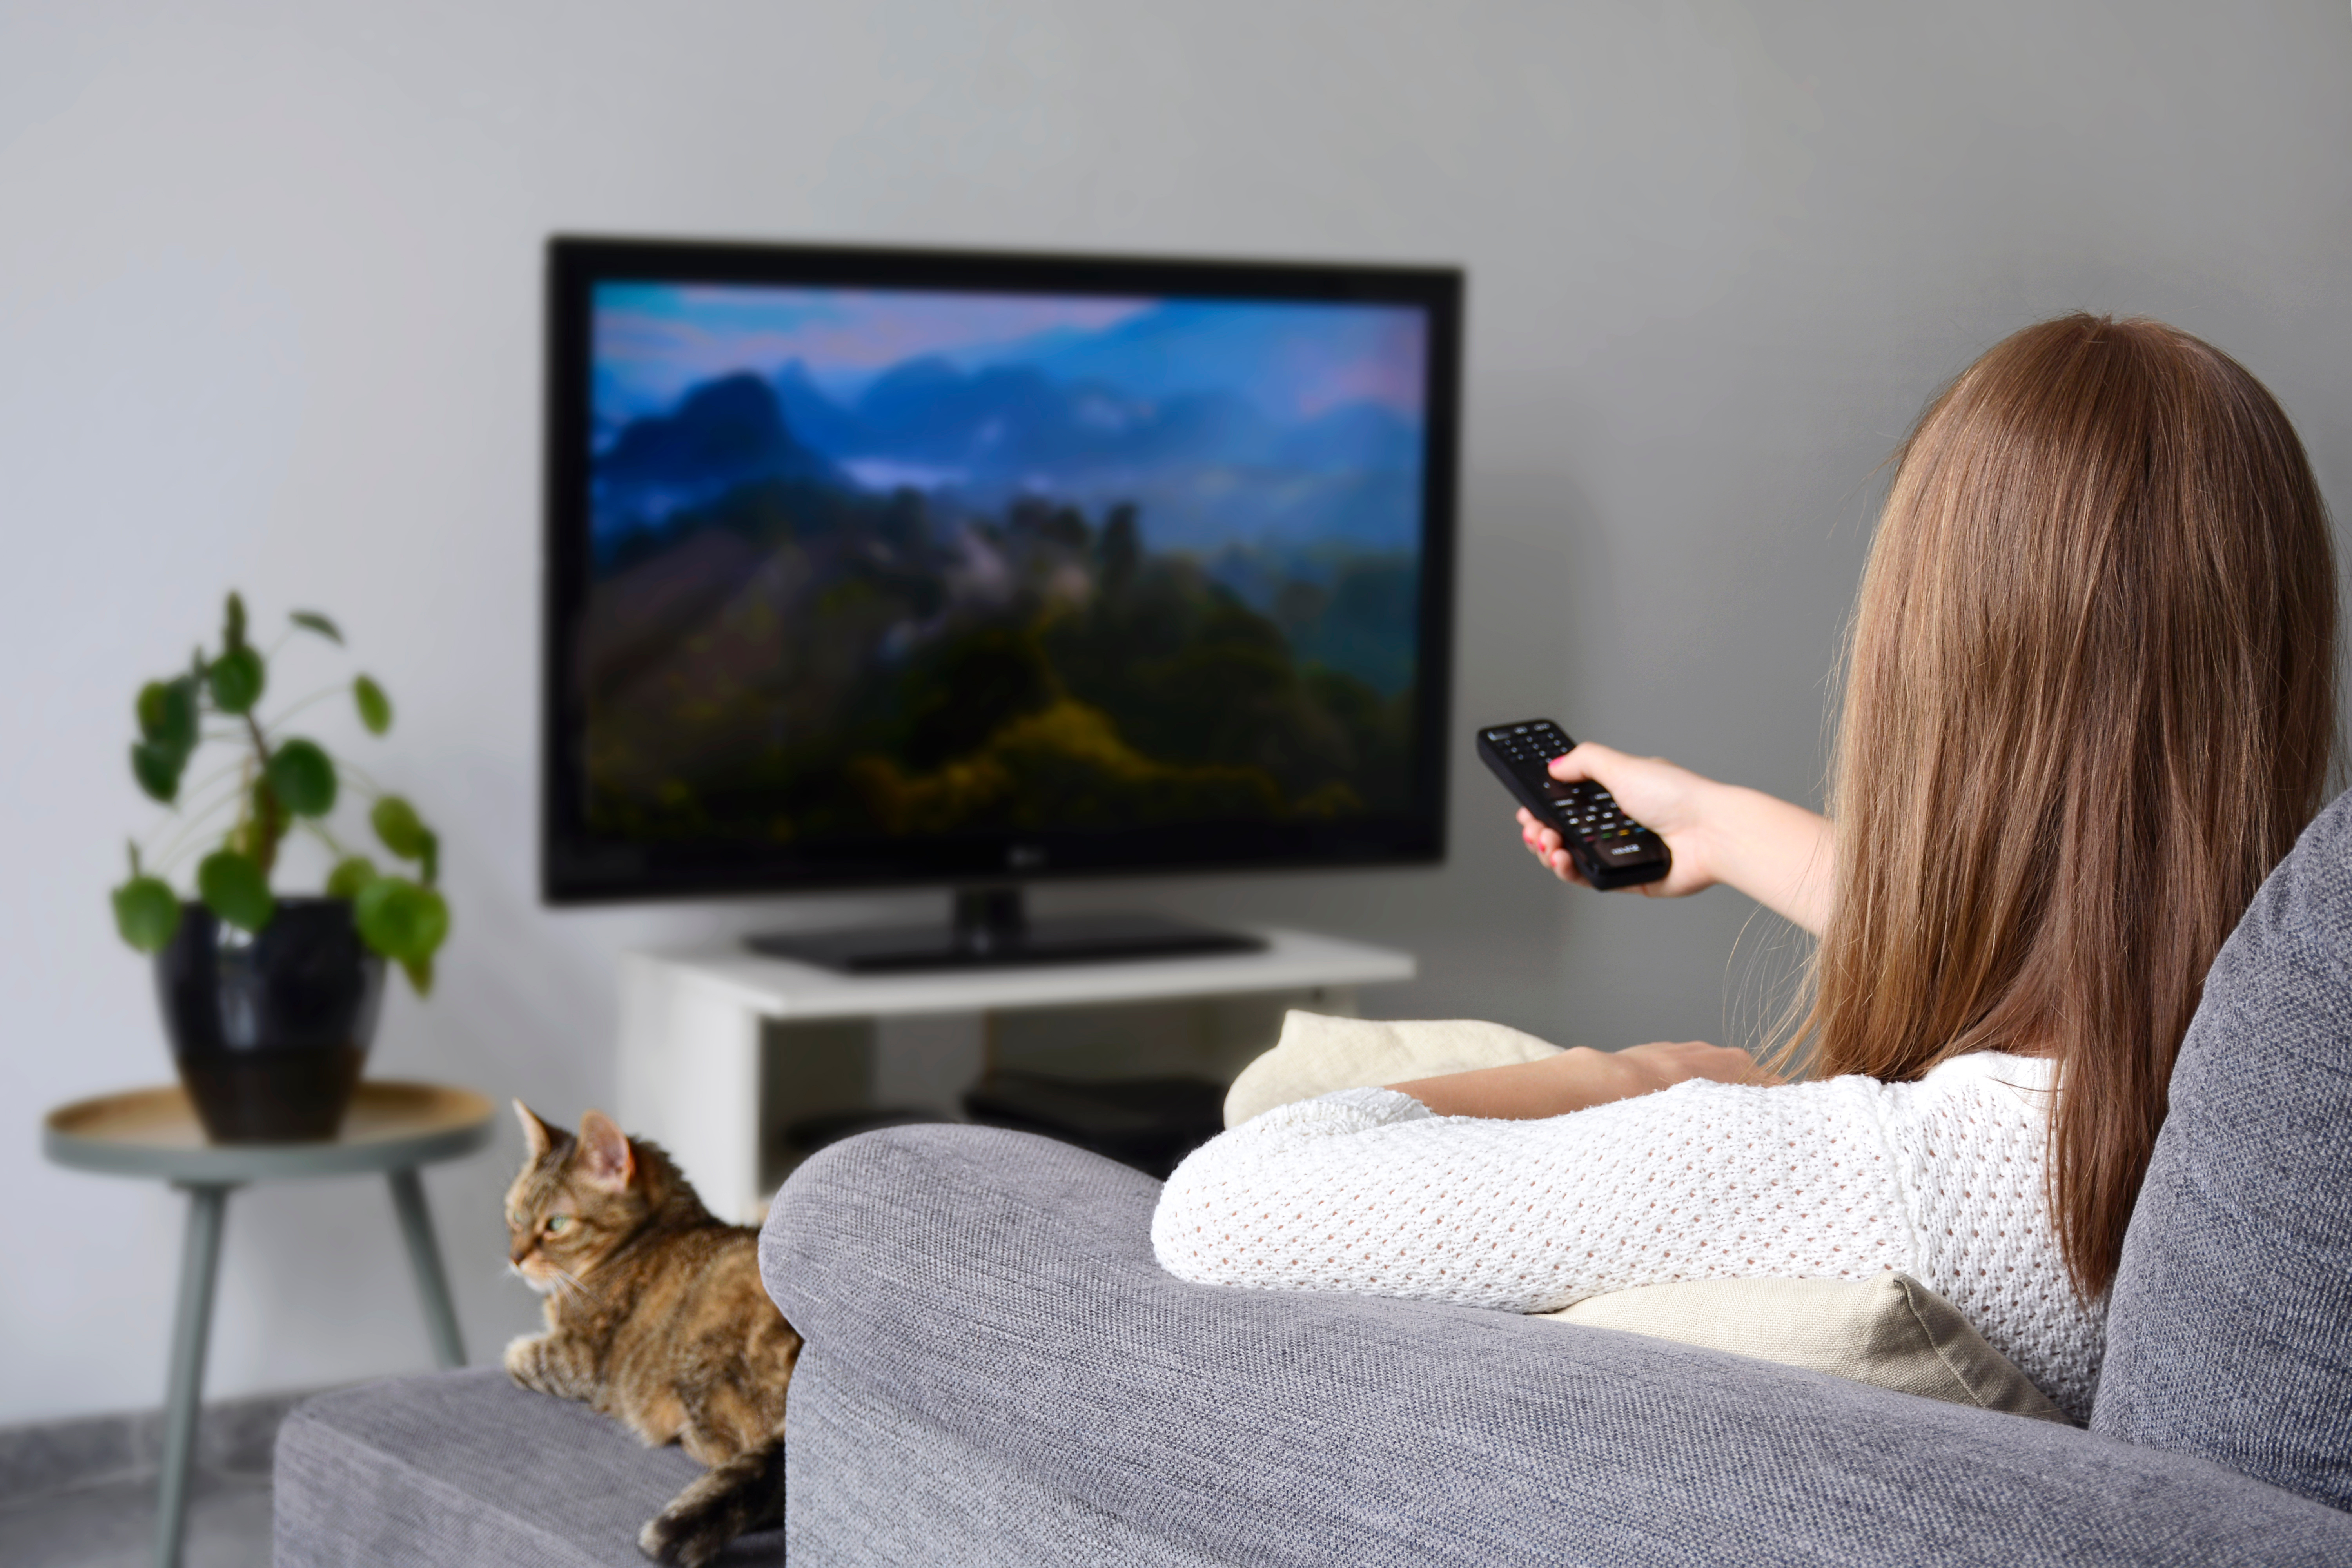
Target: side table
{"points": [[394, 1127]]}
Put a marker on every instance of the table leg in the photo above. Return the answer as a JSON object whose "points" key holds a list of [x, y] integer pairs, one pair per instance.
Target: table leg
{"points": [[425, 1256], [192, 1325]]}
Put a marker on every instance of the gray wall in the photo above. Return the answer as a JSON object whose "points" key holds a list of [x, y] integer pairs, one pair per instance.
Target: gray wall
{"points": [[269, 316]]}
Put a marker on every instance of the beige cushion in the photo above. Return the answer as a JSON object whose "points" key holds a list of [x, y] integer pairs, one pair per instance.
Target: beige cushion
{"points": [[1317, 1054], [1892, 1332]]}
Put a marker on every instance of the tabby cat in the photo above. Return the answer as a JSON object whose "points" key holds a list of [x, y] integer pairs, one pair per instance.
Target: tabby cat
{"points": [[655, 1316]]}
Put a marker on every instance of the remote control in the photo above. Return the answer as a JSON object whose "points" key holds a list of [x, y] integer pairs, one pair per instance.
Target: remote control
{"points": [[1610, 847]]}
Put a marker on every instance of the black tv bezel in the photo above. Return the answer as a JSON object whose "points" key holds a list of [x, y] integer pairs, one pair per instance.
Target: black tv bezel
{"points": [[577, 867]]}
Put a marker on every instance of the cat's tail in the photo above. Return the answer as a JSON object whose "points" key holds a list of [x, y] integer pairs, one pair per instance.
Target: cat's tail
{"points": [[744, 1493]]}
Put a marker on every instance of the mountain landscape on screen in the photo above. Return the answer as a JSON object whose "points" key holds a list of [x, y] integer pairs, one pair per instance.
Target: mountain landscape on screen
{"points": [[871, 564]]}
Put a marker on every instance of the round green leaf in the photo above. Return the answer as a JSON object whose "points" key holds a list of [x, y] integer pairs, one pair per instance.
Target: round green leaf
{"points": [[168, 713], [420, 974], [157, 769], [237, 678], [302, 778], [351, 874], [376, 707], [233, 888], [147, 913], [178, 727], [151, 711], [401, 830], [401, 920], [312, 621]]}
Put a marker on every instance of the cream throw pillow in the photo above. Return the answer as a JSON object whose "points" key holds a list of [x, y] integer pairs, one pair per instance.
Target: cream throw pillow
{"points": [[1892, 1332], [1317, 1054]]}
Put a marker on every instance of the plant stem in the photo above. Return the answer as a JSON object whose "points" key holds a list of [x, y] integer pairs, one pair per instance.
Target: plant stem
{"points": [[319, 829], [316, 697], [189, 801], [366, 786], [162, 860], [269, 815]]}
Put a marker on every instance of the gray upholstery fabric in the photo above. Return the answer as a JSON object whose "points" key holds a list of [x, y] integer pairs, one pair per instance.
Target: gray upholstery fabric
{"points": [[464, 1470], [2230, 1331], [1000, 1290], [875, 1486]]}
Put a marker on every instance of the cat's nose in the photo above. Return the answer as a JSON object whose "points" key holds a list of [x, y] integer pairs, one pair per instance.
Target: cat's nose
{"points": [[522, 1251]]}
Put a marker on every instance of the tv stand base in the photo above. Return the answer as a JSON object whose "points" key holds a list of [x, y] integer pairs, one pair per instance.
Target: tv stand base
{"points": [[992, 931]]}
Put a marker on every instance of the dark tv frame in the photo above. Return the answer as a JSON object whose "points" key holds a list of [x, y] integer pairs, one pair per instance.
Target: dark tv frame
{"points": [[577, 867]]}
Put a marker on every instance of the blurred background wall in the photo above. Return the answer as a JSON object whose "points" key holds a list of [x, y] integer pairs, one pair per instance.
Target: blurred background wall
{"points": [[269, 316]]}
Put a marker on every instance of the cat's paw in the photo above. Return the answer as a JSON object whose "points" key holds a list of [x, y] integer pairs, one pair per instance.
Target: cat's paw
{"points": [[521, 1360], [668, 1541]]}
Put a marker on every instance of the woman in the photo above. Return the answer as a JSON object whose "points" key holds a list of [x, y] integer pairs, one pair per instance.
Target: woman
{"points": [[2090, 701]]}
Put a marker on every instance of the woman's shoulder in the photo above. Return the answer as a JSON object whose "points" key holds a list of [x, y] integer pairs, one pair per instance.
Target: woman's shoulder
{"points": [[1989, 1070], [1984, 1097]]}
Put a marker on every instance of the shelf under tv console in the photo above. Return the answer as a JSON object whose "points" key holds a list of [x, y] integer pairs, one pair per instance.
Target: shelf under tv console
{"points": [[720, 1049]]}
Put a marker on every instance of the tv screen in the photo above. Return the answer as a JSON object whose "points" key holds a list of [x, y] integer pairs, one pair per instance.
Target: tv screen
{"points": [[881, 566]]}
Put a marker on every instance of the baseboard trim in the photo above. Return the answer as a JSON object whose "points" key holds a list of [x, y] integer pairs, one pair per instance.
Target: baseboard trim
{"points": [[234, 1437]]}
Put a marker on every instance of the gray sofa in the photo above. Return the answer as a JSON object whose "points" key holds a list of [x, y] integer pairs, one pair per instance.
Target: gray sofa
{"points": [[998, 1373]]}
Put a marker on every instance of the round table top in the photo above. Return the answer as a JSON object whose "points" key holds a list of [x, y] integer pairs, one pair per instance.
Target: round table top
{"points": [[154, 1133]]}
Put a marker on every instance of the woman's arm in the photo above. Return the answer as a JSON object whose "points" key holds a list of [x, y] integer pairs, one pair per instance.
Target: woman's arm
{"points": [[1580, 1080], [1781, 855], [1364, 1190]]}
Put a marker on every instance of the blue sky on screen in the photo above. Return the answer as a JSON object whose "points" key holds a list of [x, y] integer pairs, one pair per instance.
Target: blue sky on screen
{"points": [[652, 342]]}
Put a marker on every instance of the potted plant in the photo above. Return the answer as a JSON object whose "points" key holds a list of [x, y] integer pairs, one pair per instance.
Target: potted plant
{"points": [[270, 1001]]}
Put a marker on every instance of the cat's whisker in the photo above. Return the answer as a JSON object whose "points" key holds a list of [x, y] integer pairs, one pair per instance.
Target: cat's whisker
{"points": [[579, 1291]]}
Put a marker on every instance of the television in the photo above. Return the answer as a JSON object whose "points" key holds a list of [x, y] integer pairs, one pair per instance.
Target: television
{"points": [[874, 567]]}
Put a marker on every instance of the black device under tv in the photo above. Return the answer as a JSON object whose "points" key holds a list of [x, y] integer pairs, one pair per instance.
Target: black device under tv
{"points": [[874, 568]]}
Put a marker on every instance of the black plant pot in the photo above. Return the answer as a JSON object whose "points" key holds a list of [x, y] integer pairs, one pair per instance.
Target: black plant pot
{"points": [[271, 1031]]}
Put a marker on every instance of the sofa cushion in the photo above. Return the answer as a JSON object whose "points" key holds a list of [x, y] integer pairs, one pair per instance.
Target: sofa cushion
{"points": [[2229, 1334], [1000, 1289], [1892, 1332], [464, 1468]]}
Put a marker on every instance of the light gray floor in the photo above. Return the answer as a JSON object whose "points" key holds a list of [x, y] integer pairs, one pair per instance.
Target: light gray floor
{"points": [[113, 1526]]}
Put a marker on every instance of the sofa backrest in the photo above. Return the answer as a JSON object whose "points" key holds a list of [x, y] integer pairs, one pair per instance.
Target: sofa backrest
{"points": [[2230, 1333]]}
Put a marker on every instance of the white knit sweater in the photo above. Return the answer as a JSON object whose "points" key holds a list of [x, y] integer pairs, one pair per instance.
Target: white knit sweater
{"points": [[1368, 1191]]}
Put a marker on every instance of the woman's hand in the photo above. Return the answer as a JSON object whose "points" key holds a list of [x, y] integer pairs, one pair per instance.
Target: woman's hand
{"points": [[1662, 1064], [1782, 855], [1667, 800]]}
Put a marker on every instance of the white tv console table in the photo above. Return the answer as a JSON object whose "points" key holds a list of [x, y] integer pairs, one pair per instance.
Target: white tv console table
{"points": [[721, 1048]]}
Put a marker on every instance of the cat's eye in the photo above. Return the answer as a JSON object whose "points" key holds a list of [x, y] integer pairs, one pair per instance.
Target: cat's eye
{"points": [[556, 1222]]}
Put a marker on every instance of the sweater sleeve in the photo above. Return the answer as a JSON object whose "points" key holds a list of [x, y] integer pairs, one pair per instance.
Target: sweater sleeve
{"points": [[1367, 1191]]}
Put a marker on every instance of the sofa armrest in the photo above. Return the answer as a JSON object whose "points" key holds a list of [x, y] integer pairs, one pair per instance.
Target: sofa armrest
{"points": [[1003, 1287]]}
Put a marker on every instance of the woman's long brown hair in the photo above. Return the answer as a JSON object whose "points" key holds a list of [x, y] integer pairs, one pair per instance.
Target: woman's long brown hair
{"points": [[2090, 702]]}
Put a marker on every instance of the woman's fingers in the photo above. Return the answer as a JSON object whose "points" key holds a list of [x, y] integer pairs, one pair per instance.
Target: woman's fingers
{"points": [[1667, 800], [1577, 762], [1544, 844]]}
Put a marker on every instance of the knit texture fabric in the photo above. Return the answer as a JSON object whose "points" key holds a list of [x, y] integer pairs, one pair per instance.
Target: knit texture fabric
{"points": [[1367, 1191]]}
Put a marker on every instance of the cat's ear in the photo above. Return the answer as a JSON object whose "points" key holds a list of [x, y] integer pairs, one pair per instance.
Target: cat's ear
{"points": [[537, 1134], [606, 1158]]}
